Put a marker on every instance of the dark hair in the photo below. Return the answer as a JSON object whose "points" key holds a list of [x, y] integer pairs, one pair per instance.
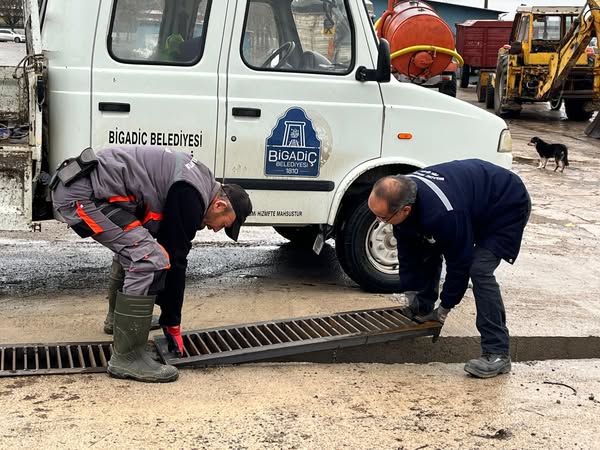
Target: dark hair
{"points": [[397, 190]]}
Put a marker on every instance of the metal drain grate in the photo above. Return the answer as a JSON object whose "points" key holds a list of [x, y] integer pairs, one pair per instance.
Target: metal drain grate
{"points": [[273, 339], [53, 359]]}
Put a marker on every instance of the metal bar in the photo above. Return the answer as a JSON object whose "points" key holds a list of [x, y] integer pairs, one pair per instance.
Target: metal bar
{"points": [[70, 355], [388, 323], [250, 336], [365, 322], [266, 330], [91, 356], [281, 332], [25, 358], [102, 356], [259, 331], [391, 318], [223, 341], [337, 324], [328, 327], [48, 362], [233, 340], [37, 358], [2, 359], [80, 355], [58, 357], [240, 335], [14, 359]]}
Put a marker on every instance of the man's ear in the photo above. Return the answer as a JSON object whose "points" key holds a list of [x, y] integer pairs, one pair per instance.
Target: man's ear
{"points": [[407, 209], [220, 205]]}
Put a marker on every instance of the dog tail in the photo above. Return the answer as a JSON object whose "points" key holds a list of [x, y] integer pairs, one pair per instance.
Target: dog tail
{"points": [[566, 158]]}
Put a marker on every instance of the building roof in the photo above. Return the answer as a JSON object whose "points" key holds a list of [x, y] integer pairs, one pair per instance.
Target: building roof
{"points": [[470, 4]]}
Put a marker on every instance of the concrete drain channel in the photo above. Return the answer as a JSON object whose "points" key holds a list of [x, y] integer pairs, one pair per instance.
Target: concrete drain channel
{"points": [[228, 345]]}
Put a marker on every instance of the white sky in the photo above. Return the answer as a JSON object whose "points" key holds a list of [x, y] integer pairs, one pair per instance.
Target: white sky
{"points": [[511, 5]]}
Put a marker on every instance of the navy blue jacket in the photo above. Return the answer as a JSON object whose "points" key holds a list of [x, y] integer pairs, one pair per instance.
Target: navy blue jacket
{"points": [[461, 204]]}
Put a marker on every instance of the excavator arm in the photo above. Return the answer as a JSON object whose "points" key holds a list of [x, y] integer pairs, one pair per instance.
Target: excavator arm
{"points": [[572, 47]]}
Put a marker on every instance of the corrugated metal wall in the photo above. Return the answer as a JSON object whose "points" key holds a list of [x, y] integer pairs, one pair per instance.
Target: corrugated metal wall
{"points": [[450, 13]]}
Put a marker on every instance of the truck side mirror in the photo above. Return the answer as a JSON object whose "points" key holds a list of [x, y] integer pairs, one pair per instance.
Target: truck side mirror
{"points": [[516, 48], [382, 73]]}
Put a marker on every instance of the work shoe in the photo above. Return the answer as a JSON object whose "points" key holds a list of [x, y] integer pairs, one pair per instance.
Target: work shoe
{"points": [[411, 308], [115, 284], [439, 314], [489, 365], [133, 314]]}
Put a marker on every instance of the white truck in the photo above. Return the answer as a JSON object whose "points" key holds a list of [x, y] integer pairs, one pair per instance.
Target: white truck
{"points": [[291, 99]]}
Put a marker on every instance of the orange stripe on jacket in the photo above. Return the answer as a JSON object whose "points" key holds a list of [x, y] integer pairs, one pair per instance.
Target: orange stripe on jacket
{"points": [[121, 199], [152, 216], [132, 225], [87, 219], [168, 257]]}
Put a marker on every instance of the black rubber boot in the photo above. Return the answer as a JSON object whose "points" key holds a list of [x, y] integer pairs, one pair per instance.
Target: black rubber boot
{"points": [[489, 365], [115, 284], [133, 314]]}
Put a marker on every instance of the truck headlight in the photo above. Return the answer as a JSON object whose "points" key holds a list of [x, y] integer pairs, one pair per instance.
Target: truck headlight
{"points": [[505, 143]]}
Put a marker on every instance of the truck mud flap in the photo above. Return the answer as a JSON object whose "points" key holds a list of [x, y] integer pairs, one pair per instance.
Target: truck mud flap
{"points": [[15, 187], [275, 339], [593, 129]]}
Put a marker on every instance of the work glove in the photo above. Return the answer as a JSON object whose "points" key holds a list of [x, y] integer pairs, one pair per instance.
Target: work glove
{"points": [[439, 314], [174, 339]]}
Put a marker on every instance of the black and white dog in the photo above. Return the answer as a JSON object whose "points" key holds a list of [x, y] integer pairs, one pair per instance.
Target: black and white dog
{"points": [[546, 151]]}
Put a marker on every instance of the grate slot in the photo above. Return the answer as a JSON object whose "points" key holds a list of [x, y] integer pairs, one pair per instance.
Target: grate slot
{"points": [[261, 335], [392, 318], [322, 331], [299, 330], [14, 359], [352, 320], [241, 338], [48, 360], [401, 317], [365, 323], [211, 342], [250, 337], [2, 353], [233, 344], [308, 329], [328, 327], [335, 323], [376, 321], [201, 345], [290, 331], [91, 357], [269, 333], [382, 319], [347, 324], [279, 333], [222, 341], [187, 342], [80, 356]]}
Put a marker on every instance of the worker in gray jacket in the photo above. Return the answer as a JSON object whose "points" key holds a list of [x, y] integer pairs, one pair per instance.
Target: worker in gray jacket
{"points": [[145, 204]]}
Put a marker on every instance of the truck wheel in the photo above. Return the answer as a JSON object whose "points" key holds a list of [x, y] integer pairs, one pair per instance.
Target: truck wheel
{"points": [[489, 94], [304, 236], [449, 88], [367, 252], [575, 111], [464, 76]]}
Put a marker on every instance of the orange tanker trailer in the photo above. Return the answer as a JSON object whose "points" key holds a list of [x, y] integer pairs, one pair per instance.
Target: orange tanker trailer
{"points": [[422, 45]]}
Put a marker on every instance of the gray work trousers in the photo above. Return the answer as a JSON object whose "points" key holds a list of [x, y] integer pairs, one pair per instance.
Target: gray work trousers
{"points": [[144, 260], [491, 316]]}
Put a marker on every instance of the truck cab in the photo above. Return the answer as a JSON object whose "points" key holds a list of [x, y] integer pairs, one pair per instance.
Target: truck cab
{"points": [[289, 99]]}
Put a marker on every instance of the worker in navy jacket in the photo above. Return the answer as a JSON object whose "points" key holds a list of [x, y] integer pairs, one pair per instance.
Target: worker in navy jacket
{"points": [[472, 213]]}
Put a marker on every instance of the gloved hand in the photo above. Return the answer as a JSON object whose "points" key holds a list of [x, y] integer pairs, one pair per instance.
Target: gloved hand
{"points": [[439, 314], [174, 339]]}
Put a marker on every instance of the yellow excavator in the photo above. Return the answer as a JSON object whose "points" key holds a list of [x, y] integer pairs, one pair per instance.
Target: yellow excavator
{"points": [[547, 61]]}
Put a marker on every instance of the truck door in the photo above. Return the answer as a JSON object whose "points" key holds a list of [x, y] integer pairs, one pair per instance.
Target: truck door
{"points": [[298, 121], [154, 78]]}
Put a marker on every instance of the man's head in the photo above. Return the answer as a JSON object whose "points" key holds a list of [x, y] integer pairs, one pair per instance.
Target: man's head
{"points": [[228, 209], [392, 198]]}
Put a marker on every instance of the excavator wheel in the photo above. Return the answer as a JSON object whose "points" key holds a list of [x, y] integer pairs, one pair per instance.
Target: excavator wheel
{"points": [[489, 94], [500, 90]]}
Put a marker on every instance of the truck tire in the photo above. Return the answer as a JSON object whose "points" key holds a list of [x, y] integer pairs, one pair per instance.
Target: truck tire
{"points": [[448, 88], [489, 94], [575, 111], [367, 251], [465, 73], [301, 236]]}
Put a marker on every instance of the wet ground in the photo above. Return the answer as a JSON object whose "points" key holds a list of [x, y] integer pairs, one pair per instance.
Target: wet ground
{"points": [[52, 289]]}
